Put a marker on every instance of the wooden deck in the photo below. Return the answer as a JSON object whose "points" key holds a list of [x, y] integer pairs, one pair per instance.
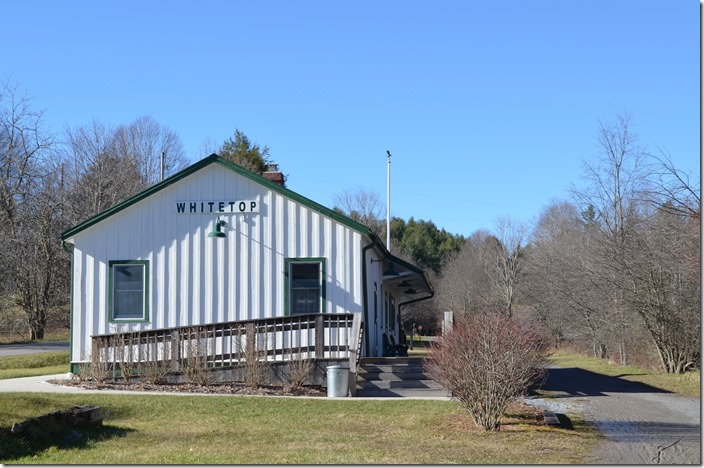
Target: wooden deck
{"points": [[279, 339]]}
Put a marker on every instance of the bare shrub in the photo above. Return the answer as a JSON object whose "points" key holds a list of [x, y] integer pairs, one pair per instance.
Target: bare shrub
{"points": [[153, 372], [124, 344], [486, 361], [83, 371], [195, 365], [299, 368], [256, 366], [100, 365], [153, 368]]}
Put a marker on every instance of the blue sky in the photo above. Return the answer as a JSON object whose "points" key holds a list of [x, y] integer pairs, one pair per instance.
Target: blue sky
{"points": [[487, 107]]}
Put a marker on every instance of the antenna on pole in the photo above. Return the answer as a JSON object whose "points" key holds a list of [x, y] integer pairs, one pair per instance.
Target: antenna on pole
{"points": [[388, 200], [161, 166]]}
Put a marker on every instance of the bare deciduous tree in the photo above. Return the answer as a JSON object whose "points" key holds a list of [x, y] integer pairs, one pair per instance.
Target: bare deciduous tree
{"points": [[144, 141], [509, 260], [466, 282], [637, 257], [106, 165], [364, 206], [98, 178], [30, 210], [664, 287], [41, 266], [616, 180], [671, 188], [563, 283]]}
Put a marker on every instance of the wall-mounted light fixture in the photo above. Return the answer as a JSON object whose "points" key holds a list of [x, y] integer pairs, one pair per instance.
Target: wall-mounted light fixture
{"points": [[217, 228]]}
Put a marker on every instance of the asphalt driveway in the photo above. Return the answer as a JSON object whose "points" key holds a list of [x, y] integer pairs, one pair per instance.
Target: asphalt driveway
{"points": [[30, 348], [642, 424]]}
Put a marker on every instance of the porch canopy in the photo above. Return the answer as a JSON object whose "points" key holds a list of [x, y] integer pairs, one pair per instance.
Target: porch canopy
{"points": [[404, 279]]}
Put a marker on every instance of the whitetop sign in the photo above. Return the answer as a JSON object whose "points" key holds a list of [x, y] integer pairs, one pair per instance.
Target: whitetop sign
{"points": [[217, 207]]}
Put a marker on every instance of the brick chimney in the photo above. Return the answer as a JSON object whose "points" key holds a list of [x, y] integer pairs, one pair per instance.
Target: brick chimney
{"points": [[272, 173]]}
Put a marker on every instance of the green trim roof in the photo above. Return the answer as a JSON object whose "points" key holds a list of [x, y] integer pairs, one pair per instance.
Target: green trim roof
{"points": [[215, 159]]}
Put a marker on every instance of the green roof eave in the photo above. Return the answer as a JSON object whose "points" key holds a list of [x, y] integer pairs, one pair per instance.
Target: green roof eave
{"points": [[214, 159], [410, 267]]}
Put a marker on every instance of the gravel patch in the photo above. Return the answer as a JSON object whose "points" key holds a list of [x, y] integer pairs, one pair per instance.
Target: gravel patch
{"points": [[556, 406]]}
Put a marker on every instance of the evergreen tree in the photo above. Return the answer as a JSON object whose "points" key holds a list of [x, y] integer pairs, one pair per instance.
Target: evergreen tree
{"points": [[243, 152]]}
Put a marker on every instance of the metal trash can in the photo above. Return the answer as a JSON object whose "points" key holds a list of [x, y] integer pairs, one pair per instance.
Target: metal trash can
{"points": [[338, 381]]}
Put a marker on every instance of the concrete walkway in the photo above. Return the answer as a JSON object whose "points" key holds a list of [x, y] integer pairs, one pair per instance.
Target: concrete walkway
{"points": [[40, 384]]}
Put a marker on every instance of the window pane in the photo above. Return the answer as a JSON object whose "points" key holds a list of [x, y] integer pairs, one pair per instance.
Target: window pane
{"points": [[128, 277], [304, 301], [128, 291], [305, 288], [305, 275], [128, 304]]}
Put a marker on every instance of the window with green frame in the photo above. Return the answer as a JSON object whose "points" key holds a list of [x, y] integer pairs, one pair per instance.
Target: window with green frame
{"points": [[128, 291], [305, 286]]}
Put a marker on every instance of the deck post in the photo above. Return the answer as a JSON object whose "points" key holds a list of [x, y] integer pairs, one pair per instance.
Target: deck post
{"points": [[355, 343], [250, 350], [319, 337], [175, 351]]}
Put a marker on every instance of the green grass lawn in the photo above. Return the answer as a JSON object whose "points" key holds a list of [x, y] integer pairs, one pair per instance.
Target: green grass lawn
{"points": [[421, 345], [685, 384], [28, 365], [146, 429], [186, 429]]}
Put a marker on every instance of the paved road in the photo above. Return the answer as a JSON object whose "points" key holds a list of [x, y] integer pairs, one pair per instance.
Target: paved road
{"points": [[643, 424], [29, 348]]}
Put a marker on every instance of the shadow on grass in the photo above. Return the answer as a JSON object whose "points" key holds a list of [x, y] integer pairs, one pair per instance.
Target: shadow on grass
{"points": [[522, 418], [575, 382], [13, 447], [565, 421]]}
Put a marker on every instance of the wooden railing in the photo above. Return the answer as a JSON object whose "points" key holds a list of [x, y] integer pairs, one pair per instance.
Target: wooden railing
{"points": [[297, 337]]}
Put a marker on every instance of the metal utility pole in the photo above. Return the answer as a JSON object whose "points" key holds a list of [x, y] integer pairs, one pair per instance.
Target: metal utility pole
{"points": [[388, 200], [161, 166]]}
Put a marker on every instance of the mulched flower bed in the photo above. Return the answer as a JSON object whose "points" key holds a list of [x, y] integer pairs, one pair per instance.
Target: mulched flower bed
{"points": [[215, 389]]}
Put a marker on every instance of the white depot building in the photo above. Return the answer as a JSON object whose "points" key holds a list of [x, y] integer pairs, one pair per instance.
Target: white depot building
{"points": [[219, 248]]}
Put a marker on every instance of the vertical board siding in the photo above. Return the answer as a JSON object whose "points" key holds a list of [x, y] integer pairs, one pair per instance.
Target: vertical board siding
{"points": [[196, 280]]}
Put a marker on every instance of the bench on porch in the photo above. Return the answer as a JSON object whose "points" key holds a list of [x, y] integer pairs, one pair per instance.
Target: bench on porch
{"points": [[391, 348]]}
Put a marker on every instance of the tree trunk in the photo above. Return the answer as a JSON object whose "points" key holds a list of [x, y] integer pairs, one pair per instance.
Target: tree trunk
{"points": [[600, 351], [36, 333], [622, 352]]}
